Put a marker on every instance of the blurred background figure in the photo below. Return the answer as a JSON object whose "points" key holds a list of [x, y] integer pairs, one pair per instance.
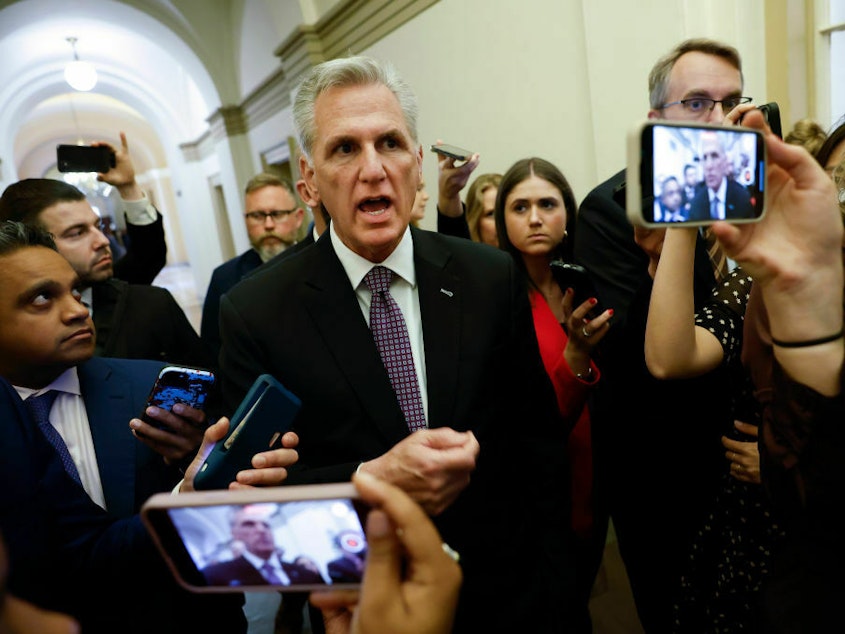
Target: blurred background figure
{"points": [[808, 134]]}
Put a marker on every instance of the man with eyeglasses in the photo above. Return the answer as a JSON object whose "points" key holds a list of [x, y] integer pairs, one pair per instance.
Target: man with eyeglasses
{"points": [[272, 220], [655, 497]]}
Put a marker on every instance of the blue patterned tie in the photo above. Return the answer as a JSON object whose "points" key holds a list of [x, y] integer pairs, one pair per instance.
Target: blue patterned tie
{"points": [[394, 346], [39, 407]]}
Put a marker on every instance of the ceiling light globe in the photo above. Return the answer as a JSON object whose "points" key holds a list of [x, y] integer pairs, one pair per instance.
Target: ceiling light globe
{"points": [[81, 76]]}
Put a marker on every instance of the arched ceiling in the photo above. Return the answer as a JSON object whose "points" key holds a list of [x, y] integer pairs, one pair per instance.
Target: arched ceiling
{"points": [[153, 83]]}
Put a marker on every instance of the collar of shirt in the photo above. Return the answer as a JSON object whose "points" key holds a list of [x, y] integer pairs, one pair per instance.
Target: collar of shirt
{"points": [[401, 261], [67, 381], [723, 188], [88, 299]]}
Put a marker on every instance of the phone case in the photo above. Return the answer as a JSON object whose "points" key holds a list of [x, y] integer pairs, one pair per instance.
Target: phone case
{"points": [[574, 276], [188, 527], [265, 414], [452, 151]]}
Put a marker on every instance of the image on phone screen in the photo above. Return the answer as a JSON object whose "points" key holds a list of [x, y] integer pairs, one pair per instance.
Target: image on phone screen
{"points": [[290, 544], [179, 385], [698, 174]]}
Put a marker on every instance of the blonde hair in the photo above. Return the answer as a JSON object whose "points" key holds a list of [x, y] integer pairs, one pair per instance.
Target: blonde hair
{"points": [[808, 134]]}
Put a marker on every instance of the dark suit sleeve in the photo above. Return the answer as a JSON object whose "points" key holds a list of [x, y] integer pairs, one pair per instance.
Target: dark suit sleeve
{"points": [[146, 253], [210, 324], [605, 247], [449, 226]]}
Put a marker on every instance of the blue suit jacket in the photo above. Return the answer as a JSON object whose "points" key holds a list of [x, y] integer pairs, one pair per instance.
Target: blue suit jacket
{"points": [[114, 391]]}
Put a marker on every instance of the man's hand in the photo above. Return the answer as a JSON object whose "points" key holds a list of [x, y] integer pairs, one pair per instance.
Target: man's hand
{"points": [[269, 467], [122, 175], [451, 179], [433, 466], [410, 585], [180, 435]]}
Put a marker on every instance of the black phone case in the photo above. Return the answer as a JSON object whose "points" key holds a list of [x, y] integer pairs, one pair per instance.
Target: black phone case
{"points": [[265, 414], [574, 276], [84, 158]]}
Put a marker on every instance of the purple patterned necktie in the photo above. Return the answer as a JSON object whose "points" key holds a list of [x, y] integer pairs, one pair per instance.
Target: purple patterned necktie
{"points": [[269, 573], [39, 406], [394, 346]]}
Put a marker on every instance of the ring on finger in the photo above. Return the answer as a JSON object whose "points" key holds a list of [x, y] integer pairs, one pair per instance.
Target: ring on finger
{"points": [[585, 333]]}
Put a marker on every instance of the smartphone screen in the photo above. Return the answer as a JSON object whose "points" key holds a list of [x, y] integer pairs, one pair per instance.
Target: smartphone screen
{"points": [[696, 174], [176, 384], [290, 545]]}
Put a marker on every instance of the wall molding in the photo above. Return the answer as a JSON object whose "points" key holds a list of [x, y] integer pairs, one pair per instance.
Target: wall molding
{"points": [[350, 27]]}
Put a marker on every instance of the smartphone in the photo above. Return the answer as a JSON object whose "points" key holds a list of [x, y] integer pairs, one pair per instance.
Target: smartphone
{"points": [[262, 418], [725, 167], [313, 536], [84, 158], [452, 151], [574, 276], [771, 112], [178, 384]]}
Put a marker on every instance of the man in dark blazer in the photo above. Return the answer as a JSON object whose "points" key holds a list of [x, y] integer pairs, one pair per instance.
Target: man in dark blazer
{"points": [[631, 481], [722, 198], [250, 527], [272, 221], [71, 524], [490, 462], [133, 319]]}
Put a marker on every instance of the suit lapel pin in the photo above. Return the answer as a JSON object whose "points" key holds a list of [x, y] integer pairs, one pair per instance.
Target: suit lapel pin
{"points": [[447, 293]]}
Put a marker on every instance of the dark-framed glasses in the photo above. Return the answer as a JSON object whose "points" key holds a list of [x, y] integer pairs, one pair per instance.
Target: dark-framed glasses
{"points": [[700, 105], [261, 216]]}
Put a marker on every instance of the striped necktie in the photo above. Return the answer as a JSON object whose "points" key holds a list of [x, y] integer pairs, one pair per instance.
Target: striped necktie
{"points": [[39, 407]]}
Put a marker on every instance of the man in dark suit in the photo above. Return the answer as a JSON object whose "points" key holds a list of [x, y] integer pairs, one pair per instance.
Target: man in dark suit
{"points": [[698, 81], [487, 462], [132, 320], [73, 475], [723, 197], [272, 224], [261, 561]]}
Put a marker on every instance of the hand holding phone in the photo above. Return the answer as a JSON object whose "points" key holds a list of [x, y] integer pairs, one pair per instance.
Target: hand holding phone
{"points": [[265, 414], [85, 158], [178, 384], [722, 167], [296, 535], [573, 276]]}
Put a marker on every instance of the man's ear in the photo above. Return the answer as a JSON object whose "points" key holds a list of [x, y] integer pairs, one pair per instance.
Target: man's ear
{"points": [[306, 186], [654, 114]]}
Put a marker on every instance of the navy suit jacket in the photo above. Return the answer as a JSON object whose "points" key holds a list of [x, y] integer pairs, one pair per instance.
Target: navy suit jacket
{"points": [[737, 203], [114, 391], [300, 321]]}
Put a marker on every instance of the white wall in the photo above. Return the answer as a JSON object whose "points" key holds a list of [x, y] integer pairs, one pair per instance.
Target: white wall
{"points": [[559, 79]]}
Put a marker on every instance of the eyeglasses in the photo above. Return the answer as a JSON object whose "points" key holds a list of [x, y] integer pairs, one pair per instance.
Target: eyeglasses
{"points": [[261, 216], [700, 105]]}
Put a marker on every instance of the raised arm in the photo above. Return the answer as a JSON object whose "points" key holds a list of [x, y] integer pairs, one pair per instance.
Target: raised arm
{"points": [[675, 347]]}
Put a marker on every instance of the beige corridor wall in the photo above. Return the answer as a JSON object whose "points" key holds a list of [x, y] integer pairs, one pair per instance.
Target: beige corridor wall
{"points": [[560, 79]]}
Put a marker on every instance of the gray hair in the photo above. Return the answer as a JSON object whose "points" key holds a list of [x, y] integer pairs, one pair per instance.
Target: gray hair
{"points": [[17, 235], [658, 78], [348, 71]]}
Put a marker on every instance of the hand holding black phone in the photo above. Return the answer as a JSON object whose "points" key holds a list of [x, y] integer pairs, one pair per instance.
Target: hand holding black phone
{"points": [[177, 384], [574, 276]]}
